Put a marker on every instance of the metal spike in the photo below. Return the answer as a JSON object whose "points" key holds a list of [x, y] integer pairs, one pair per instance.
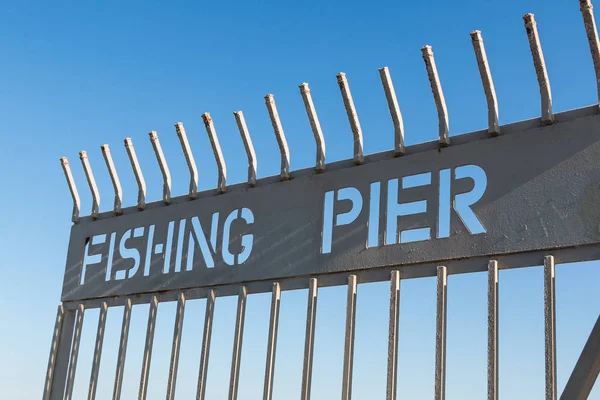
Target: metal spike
{"points": [[438, 95], [488, 83], [283, 146], [112, 171], [315, 126], [352, 117], [216, 147], [189, 158], [162, 163], [540, 68], [137, 171], [390, 95], [592, 34], [91, 182], [241, 123], [72, 188]]}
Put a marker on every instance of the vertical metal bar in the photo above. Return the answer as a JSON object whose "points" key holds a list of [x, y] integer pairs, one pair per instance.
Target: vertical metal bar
{"points": [[97, 352], [352, 117], [280, 136], [488, 83], [390, 95], [72, 188], [550, 327], [241, 123], [349, 343], [148, 349], [53, 352], [540, 68], [492, 359], [74, 353], [91, 182], [587, 11], [237, 344], [392, 366], [208, 320], [309, 340], [162, 163], [137, 171], [272, 342], [216, 147], [176, 346], [55, 388], [189, 159], [122, 350], [438, 95], [112, 171], [440, 335], [315, 126]]}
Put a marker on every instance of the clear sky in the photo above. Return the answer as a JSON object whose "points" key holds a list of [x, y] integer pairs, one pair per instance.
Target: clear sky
{"points": [[76, 75]]}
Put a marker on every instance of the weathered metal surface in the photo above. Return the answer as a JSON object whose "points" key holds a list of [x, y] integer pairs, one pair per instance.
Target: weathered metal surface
{"points": [[70, 382], [280, 136], [114, 177], [314, 125], [358, 157], [438, 96], [137, 171], [72, 188], [97, 352], [272, 342], [492, 356], [189, 159], [164, 168], [252, 163], [488, 83], [392, 362], [540, 68], [309, 339], [236, 358], [206, 338], [592, 33], [349, 338], [122, 351], [390, 95], [216, 147], [440, 334], [177, 331], [147, 357], [54, 351], [550, 327], [87, 169]]}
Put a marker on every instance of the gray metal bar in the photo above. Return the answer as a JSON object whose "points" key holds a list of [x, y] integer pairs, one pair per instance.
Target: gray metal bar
{"points": [[91, 182], [162, 163], [540, 68], [74, 353], [272, 342], [392, 366], [314, 125], [342, 81], [55, 387], [208, 321], [309, 344], [172, 381], [390, 95], [97, 352], [550, 327], [137, 171], [216, 147], [237, 344], [54, 349], [438, 95], [587, 11], [586, 370], [488, 83], [241, 123], [349, 341], [189, 159], [492, 359], [440, 335], [280, 135], [72, 188], [148, 349], [112, 171], [122, 350]]}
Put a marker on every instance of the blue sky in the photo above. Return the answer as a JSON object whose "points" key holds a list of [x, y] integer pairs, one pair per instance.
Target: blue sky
{"points": [[77, 75]]}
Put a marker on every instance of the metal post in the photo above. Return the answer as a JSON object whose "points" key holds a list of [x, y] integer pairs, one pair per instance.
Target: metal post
{"points": [[392, 366], [550, 327], [359, 157], [241, 123], [74, 353], [148, 348], [204, 355], [272, 342], [72, 188], [97, 352], [237, 344], [114, 177], [587, 11], [122, 351], [390, 95], [189, 159], [137, 171], [440, 335], [164, 168], [438, 95], [492, 359], [56, 377], [280, 136], [309, 340], [172, 380], [315, 126], [488, 83], [349, 343], [91, 182], [216, 147]]}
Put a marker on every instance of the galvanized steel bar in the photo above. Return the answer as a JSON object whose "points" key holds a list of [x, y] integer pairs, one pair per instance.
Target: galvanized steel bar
{"points": [[236, 358], [91, 182], [172, 380], [204, 355], [148, 349], [241, 123], [74, 353], [438, 95], [492, 357], [162, 163], [587, 11], [390, 95], [97, 352], [540, 68], [342, 81], [55, 386], [314, 125], [53, 352], [189, 159], [137, 171], [272, 342], [214, 142], [349, 341], [440, 335], [112, 171], [392, 366], [488, 83], [309, 339], [550, 327], [280, 135], [122, 350], [72, 188]]}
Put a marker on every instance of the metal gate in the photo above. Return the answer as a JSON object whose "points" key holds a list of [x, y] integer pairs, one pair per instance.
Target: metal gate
{"points": [[469, 203]]}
